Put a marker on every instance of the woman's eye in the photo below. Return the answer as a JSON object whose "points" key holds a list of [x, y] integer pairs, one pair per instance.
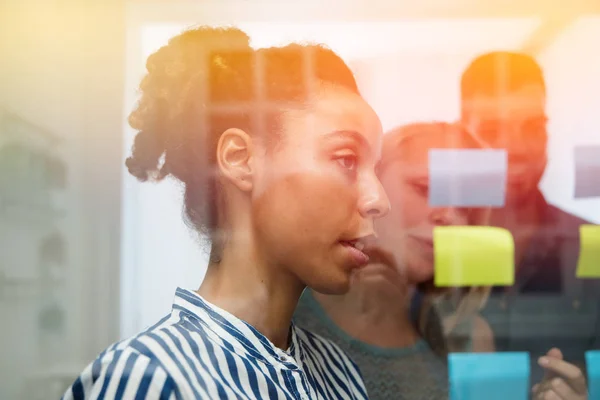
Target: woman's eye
{"points": [[422, 189], [348, 162]]}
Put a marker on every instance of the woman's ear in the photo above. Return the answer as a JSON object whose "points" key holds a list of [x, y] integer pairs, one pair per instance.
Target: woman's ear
{"points": [[234, 158]]}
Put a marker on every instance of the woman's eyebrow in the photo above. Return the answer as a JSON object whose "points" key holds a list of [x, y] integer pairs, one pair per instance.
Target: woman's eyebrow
{"points": [[420, 178], [541, 119], [350, 135]]}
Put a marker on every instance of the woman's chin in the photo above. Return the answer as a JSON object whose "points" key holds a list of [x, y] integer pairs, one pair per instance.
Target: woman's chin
{"points": [[331, 285], [419, 275], [379, 277]]}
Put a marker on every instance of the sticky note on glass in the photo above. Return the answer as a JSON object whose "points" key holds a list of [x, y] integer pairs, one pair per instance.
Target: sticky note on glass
{"points": [[592, 360], [473, 255], [489, 376], [467, 177], [587, 171], [588, 264]]}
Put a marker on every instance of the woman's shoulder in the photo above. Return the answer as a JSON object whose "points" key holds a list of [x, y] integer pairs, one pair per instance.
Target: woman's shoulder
{"points": [[325, 356], [148, 342], [122, 371], [147, 363], [313, 342]]}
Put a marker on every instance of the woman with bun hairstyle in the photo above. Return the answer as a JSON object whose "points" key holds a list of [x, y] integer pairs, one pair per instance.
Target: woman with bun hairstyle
{"points": [[276, 152]]}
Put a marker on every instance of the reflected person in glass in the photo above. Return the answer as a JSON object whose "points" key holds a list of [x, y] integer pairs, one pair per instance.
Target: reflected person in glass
{"points": [[548, 312], [393, 322]]}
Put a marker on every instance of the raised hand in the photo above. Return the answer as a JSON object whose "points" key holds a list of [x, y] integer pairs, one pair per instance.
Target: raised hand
{"points": [[562, 380]]}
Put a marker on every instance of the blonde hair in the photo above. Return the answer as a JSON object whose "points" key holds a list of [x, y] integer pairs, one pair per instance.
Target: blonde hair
{"points": [[444, 311]]}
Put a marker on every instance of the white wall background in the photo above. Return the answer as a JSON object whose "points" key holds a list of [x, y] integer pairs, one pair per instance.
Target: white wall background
{"points": [[572, 66], [62, 68]]}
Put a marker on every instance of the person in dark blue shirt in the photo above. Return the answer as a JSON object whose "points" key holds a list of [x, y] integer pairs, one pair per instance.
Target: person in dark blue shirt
{"points": [[503, 97]]}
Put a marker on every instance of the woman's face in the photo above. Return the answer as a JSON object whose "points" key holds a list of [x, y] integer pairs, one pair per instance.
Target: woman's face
{"points": [[317, 192], [407, 231]]}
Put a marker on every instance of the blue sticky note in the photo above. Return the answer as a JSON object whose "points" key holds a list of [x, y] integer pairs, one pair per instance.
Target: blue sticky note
{"points": [[592, 359], [489, 376], [587, 171], [467, 177]]}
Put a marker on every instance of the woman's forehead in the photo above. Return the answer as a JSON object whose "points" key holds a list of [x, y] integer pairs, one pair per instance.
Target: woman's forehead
{"points": [[412, 148], [337, 109], [415, 170], [339, 105]]}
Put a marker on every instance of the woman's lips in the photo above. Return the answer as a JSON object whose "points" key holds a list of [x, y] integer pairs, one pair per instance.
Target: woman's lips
{"points": [[425, 243], [358, 257], [381, 261]]}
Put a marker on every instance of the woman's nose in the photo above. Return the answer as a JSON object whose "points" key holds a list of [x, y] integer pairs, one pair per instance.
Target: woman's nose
{"points": [[374, 201]]}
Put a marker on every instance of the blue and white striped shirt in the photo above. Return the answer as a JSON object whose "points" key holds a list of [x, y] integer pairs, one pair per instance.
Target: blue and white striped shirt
{"points": [[202, 352]]}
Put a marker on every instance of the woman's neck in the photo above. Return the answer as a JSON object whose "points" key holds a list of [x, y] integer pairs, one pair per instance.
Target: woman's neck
{"points": [[262, 295], [374, 317], [514, 216]]}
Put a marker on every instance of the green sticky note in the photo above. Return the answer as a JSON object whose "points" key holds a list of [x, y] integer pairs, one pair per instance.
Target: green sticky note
{"points": [[473, 256], [588, 265]]}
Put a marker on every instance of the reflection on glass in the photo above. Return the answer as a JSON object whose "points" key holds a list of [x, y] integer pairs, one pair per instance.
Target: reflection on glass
{"points": [[587, 171], [499, 376], [467, 177], [588, 264], [473, 256], [593, 368]]}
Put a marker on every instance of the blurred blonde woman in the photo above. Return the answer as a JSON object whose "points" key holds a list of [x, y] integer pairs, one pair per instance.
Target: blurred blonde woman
{"points": [[393, 322]]}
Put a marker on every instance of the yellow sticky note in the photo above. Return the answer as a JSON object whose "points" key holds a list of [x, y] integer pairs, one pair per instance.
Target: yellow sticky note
{"points": [[588, 265], [473, 256]]}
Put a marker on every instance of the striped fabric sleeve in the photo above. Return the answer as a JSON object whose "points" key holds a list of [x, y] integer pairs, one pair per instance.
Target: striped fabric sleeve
{"points": [[123, 374], [340, 366], [348, 368]]}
